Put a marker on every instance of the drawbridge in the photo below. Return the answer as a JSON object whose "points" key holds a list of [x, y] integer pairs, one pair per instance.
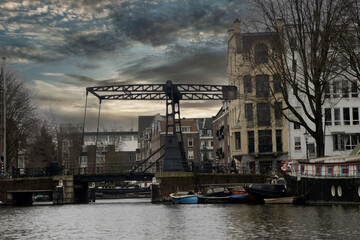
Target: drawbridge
{"points": [[174, 154]]}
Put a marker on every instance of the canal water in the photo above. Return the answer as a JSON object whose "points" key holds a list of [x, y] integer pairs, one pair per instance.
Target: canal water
{"points": [[140, 219]]}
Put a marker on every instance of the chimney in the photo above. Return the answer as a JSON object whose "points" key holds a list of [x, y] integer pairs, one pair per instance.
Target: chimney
{"points": [[237, 24], [279, 24]]}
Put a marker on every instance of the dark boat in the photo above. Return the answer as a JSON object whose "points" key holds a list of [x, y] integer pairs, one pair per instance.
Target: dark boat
{"points": [[222, 195], [328, 180], [260, 191]]}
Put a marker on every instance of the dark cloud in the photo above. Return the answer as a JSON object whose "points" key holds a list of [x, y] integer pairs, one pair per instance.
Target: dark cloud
{"points": [[92, 44], [162, 23], [88, 66], [84, 81], [204, 67]]}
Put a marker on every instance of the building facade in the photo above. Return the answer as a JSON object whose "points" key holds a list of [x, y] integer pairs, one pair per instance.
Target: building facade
{"points": [[152, 139], [258, 130], [222, 160]]}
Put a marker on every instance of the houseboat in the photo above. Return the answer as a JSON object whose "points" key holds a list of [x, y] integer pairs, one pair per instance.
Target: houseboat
{"points": [[333, 180]]}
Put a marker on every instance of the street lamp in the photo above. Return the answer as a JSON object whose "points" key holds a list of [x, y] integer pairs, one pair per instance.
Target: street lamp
{"points": [[306, 134]]}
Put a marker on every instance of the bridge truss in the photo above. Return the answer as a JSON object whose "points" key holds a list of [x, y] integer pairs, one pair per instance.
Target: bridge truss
{"points": [[174, 155]]}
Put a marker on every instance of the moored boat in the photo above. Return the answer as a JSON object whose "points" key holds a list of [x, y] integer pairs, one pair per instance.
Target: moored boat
{"points": [[184, 197], [332, 180], [222, 195], [261, 191]]}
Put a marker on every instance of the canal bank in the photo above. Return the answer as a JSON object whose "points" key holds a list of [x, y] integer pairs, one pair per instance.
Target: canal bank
{"points": [[165, 183]]}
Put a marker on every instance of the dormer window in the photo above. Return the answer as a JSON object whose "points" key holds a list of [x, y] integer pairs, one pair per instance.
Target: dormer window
{"points": [[261, 53]]}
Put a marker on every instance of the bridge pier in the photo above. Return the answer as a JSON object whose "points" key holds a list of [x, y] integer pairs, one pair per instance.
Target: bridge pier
{"points": [[60, 189]]}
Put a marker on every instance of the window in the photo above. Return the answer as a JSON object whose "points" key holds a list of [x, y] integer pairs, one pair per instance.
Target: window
{"points": [[261, 53], [278, 110], [185, 129], [337, 120], [190, 142], [336, 89], [190, 154], [338, 142], [355, 113], [345, 141], [318, 170], [357, 167], [346, 113], [328, 116], [265, 141], [296, 125], [247, 84], [311, 149], [83, 159], [354, 89], [293, 44], [327, 90], [204, 143], [237, 141], [251, 145], [345, 89], [297, 144], [263, 114], [262, 85], [344, 171], [330, 171], [249, 112], [277, 83], [278, 141]]}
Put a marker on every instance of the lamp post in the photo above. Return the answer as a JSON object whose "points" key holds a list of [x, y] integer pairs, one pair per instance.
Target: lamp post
{"points": [[306, 134], [3, 115]]}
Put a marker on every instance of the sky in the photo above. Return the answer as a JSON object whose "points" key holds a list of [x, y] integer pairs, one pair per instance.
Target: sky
{"points": [[60, 47]]}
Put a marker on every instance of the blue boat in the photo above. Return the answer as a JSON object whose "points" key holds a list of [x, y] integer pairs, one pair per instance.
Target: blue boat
{"points": [[221, 195], [184, 197]]}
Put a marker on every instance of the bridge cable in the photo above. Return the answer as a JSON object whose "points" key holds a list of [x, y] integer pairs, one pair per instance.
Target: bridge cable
{"points": [[83, 132], [147, 159]]}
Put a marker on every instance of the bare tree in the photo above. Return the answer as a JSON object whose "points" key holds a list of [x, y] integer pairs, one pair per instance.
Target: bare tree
{"points": [[22, 119], [349, 44], [305, 59], [42, 149]]}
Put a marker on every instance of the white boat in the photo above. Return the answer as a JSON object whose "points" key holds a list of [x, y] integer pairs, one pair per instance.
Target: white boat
{"points": [[184, 197]]}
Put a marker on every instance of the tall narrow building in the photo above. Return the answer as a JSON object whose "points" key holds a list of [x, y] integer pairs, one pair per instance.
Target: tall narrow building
{"points": [[258, 130]]}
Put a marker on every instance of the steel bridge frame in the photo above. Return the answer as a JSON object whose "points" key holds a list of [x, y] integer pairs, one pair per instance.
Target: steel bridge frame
{"points": [[174, 156]]}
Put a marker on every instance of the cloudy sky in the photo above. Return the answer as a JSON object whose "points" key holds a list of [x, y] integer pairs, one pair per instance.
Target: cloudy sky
{"points": [[60, 47]]}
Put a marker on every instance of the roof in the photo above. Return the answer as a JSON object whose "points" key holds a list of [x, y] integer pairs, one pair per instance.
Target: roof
{"points": [[205, 123], [244, 41]]}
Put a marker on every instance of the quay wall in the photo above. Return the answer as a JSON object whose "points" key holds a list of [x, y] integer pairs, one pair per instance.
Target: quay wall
{"points": [[13, 189], [165, 183]]}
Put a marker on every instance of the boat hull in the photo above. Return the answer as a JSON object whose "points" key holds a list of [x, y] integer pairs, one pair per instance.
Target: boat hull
{"points": [[184, 199], [225, 199], [282, 200], [324, 190], [261, 191]]}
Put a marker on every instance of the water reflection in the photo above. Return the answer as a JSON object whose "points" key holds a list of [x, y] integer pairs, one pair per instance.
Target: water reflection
{"points": [[139, 219]]}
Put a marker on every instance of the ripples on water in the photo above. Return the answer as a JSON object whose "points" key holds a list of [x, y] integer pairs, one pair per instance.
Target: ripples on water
{"points": [[139, 219]]}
